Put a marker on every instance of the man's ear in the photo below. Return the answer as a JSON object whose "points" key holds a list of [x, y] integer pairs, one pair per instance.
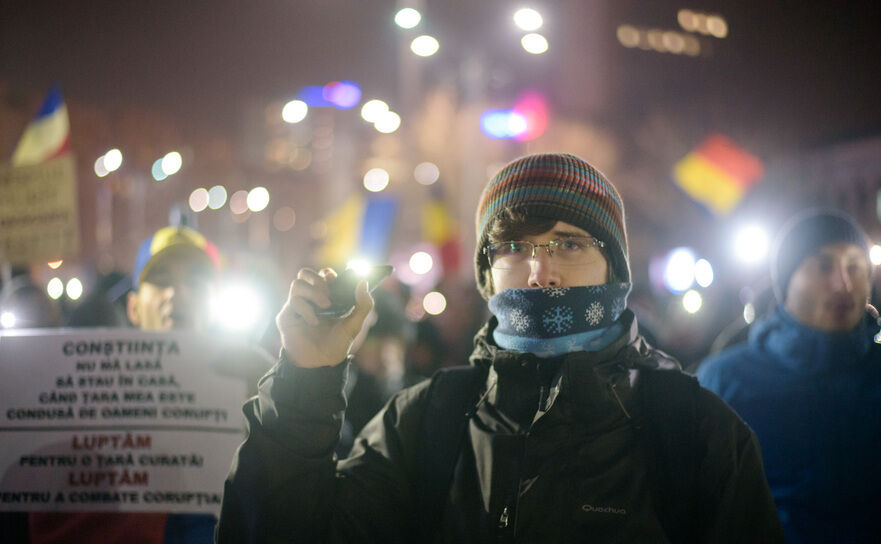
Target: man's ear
{"points": [[131, 309]]}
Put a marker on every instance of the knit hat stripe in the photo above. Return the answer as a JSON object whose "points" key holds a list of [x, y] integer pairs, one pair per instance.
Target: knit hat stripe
{"points": [[586, 181], [501, 193], [538, 194]]}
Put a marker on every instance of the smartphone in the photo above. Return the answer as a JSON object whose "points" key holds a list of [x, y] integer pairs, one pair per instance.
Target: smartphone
{"points": [[342, 289]]}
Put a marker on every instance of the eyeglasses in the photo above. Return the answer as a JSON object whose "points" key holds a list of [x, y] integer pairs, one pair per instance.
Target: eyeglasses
{"points": [[574, 251]]}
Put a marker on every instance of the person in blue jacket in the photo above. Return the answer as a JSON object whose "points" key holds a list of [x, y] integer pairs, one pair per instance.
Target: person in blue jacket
{"points": [[808, 382]]}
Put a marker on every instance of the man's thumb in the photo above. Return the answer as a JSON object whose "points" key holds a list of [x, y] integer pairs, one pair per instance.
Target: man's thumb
{"points": [[363, 305]]}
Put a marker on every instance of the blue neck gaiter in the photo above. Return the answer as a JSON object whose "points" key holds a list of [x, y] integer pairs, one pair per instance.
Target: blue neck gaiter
{"points": [[556, 320]]}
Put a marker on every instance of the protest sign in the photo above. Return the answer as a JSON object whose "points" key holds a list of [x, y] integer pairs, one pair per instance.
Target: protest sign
{"points": [[116, 420], [38, 211]]}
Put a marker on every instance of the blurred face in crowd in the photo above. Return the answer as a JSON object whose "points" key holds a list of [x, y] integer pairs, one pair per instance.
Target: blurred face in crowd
{"points": [[547, 271], [174, 294], [829, 289]]}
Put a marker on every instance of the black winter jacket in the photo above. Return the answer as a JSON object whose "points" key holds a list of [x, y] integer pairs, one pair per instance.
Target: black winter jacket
{"points": [[551, 454]]}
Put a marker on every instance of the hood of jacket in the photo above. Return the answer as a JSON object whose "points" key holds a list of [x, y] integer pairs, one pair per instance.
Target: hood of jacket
{"points": [[808, 351]]}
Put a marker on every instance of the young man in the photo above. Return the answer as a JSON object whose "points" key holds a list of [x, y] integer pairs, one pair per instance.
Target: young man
{"points": [[809, 382], [564, 428]]}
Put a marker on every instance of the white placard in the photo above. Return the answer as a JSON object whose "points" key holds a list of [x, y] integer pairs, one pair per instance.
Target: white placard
{"points": [[38, 211], [117, 420]]}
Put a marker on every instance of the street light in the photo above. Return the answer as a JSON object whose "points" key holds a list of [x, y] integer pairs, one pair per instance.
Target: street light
{"points": [[528, 19], [376, 179], [171, 163], [534, 43], [407, 18], [424, 46], [388, 122], [112, 160], [199, 199], [294, 111], [372, 110]]}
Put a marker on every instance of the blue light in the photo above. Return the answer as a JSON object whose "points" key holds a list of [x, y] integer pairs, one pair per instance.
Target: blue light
{"points": [[503, 124], [158, 173], [313, 96]]}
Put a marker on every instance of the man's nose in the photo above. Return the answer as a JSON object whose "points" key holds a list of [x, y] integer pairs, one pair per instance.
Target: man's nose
{"points": [[542, 272], [841, 279]]}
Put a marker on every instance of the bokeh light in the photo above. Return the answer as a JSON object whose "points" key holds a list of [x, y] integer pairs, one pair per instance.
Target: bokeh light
{"points": [[503, 124], [100, 169], [55, 288], [534, 43], [342, 94], [258, 199], [692, 301], [284, 219], [703, 273], [628, 36], [388, 122], [216, 197], [294, 111], [875, 254], [376, 179], [171, 163], [687, 20], [421, 262], [426, 173], [157, 172], [372, 110], [74, 288], [7, 320], [528, 19], [237, 307], [112, 160], [424, 46], [361, 267], [749, 313], [54, 265], [533, 107], [238, 202], [679, 271], [717, 26], [434, 303], [751, 244], [407, 18], [199, 199]]}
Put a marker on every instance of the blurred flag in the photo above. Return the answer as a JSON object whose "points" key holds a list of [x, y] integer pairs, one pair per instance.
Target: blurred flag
{"points": [[358, 228], [48, 134], [439, 228], [39, 216], [718, 173]]}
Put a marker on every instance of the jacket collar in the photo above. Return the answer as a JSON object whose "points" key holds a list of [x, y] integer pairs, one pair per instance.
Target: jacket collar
{"points": [[596, 387], [806, 350]]}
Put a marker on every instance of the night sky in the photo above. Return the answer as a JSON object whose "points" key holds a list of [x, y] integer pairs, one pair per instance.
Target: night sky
{"points": [[789, 74]]}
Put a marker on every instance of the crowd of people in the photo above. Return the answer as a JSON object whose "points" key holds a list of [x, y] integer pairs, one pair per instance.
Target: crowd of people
{"points": [[563, 424]]}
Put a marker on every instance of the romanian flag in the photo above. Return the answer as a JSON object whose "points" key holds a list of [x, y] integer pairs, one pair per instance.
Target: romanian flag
{"points": [[47, 136], [718, 174], [359, 228], [440, 229]]}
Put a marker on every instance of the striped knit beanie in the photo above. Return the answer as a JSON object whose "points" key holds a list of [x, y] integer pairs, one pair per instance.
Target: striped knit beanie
{"points": [[561, 187]]}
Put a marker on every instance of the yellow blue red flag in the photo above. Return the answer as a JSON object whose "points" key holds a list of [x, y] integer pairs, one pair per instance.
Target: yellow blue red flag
{"points": [[718, 173], [48, 134]]}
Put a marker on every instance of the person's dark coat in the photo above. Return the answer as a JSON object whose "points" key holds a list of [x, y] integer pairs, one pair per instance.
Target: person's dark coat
{"points": [[552, 454]]}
